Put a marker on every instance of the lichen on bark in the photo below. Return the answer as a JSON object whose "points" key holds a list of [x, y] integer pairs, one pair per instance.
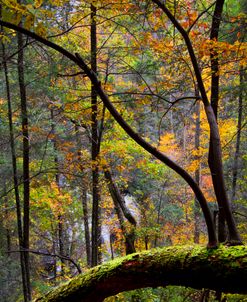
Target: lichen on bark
{"points": [[224, 269]]}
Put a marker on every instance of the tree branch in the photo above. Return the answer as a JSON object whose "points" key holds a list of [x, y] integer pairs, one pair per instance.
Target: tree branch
{"points": [[222, 269], [50, 255], [135, 136]]}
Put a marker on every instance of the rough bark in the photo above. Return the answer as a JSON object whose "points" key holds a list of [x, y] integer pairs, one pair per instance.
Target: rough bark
{"points": [[25, 155], [95, 147], [223, 269]]}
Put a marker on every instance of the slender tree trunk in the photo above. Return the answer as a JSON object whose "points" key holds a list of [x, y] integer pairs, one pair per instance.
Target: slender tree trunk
{"points": [[84, 199], [26, 181], [197, 173], [58, 183], [155, 244], [15, 178], [8, 235], [111, 245], [96, 230], [54, 238], [121, 210], [129, 236], [61, 242], [117, 197], [86, 225], [220, 194], [6, 218], [238, 139]]}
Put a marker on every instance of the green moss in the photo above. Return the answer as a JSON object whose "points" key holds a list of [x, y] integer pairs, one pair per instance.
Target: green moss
{"points": [[227, 264]]}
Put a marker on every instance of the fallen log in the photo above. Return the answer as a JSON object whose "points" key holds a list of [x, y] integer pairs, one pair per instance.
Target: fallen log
{"points": [[222, 269]]}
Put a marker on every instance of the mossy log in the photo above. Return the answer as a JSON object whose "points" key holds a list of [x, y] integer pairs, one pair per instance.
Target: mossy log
{"points": [[223, 269]]}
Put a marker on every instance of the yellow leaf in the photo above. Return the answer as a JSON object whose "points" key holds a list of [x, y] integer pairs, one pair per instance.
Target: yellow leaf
{"points": [[38, 3], [29, 21], [41, 30]]}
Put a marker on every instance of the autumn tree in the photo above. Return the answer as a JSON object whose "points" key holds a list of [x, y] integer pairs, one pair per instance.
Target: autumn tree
{"points": [[183, 27]]}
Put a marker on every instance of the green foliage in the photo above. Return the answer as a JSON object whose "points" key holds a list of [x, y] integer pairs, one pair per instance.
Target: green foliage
{"points": [[10, 278], [144, 67]]}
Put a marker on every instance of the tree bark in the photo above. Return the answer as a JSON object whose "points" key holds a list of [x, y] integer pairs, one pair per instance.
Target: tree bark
{"points": [[117, 197], [220, 192], [223, 269], [96, 230], [121, 210], [84, 199], [25, 155], [60, 218], [86, 225], [238, 139], [25, 152], [197, 174]]}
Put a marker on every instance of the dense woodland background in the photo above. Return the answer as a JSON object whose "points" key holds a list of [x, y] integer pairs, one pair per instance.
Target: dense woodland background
{"points": [[75, 189]]}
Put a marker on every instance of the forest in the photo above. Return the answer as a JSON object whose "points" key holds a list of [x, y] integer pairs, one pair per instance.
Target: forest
{"points": [[123, 161]]}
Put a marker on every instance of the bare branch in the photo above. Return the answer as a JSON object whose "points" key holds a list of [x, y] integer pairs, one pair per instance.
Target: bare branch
{"points": [[50, 255]]}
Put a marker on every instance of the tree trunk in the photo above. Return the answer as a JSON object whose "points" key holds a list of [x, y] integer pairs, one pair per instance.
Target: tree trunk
{"points": [[96, 230], [117, 197], [86, 225], [156, 237], [223, 269], [25, 151], [220, 194], [84, 199], [6, 218], [61, 242], [54, 239], [216, 158], [197, 173], [60, 219], [15, 178], [121, 210], [238, 139]]}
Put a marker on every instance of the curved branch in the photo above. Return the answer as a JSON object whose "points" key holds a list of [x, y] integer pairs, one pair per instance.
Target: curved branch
{"points": [[155, 152], [199, 16], [117, 197], [50, 255], [223, 269], [212, 240], [215, 142], [188, 43]]}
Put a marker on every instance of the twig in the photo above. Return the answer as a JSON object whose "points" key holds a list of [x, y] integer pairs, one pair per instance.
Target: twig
{"points": [[49, 254]]}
